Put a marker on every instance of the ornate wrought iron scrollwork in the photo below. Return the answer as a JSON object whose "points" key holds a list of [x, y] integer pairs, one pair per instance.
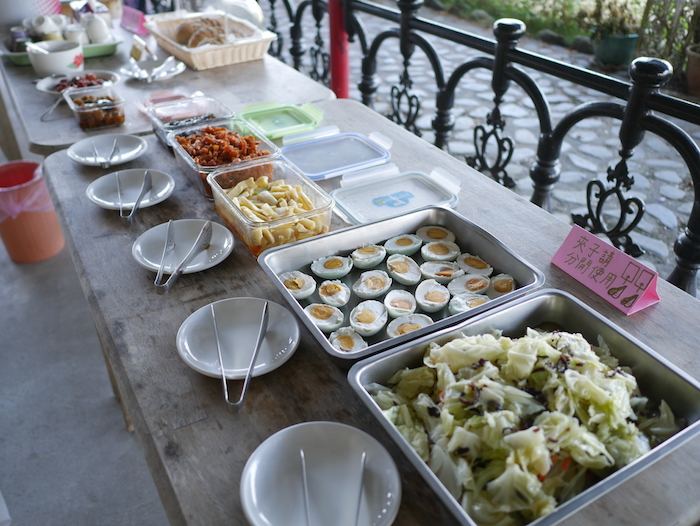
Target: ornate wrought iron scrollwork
{"points": [[504, 149], [597, 198], [320, 59], [405, 106]]}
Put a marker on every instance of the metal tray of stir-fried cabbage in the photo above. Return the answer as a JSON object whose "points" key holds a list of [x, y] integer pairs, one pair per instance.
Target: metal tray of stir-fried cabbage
{"points": [[528, 412]]}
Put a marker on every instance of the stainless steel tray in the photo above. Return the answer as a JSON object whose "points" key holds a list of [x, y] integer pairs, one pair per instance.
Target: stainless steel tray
{"points": [[657, 379], [470, 238]]}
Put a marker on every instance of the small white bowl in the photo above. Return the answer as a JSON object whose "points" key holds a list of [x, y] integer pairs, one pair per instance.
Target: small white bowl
{"points": [[64, 57], [272, 484]]}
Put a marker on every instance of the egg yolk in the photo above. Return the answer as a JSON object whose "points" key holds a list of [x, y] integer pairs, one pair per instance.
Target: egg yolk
{"points": [[436, 233], [435, 296], [401, 303], [375, 282], [503, 285], [330, 289], [322, 312], [333, 263], [439, 249], [475, 284], [346, 342], [474, 262], [475, 302], [369, 251], [400, 267], [366, 316], [295, 283], [404, 242], [405, 328], [445, 272]]}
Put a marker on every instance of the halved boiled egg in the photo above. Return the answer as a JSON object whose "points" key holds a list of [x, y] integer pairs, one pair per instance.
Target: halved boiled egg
{"points": [[368, 317], [431, 296], [332, 267], [465, 302], [406, 324], [403, 269], [368, 256], [441, 271], [472, 283], [372, 284], [326, 317], [399, 303], [299, 285], [440, 251], [347, 340], [500, 285], [474, 264], [334, 292], [406, 244], [431, 233]]}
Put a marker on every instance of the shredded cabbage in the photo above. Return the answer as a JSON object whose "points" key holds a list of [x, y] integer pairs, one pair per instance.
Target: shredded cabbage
{"points": [[514, 427]]}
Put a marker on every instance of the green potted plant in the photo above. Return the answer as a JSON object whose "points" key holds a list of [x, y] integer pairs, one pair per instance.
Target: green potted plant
{"points": [[613, 27]]}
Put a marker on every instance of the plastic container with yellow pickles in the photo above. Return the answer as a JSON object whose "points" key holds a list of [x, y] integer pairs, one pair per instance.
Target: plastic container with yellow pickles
{"points": [[278, 204]]}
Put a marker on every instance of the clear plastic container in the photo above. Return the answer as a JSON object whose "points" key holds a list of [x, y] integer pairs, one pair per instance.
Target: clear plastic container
{"points": [[336, 154], [173, 115], [95, 107], [260, 234], [278, 120], [196, 171]]}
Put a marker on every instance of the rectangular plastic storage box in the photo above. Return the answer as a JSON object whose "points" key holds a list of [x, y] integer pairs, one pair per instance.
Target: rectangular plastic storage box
{"points": [[176, 114], [95, 107], [198, 173], [260, 235]]}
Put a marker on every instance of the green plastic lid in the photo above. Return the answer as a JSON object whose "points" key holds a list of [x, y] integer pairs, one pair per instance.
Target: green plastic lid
{"points": [[277, 120]]}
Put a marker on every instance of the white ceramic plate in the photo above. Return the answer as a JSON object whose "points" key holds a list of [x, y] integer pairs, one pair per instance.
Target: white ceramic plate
{"points": [[130, 147], [237, 320], [272, 491], [103, 191], [148, 248], [48, 84], [131, 71]]}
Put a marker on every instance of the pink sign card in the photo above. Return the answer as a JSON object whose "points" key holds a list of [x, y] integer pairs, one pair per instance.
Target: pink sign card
{"points": [[615, 276]]}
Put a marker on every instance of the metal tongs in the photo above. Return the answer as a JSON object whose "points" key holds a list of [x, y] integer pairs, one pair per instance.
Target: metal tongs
{"points": [[238, 404], [201, 243], [145, 187], [304, 478], [106, 162]]}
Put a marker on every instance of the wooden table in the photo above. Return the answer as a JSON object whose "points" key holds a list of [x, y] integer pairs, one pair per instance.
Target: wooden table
{"points": [[264, 80], [197, 450]]}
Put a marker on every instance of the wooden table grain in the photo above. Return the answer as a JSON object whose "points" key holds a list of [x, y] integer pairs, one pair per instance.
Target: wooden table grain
{"points": [[237, 85], [196, 450]]}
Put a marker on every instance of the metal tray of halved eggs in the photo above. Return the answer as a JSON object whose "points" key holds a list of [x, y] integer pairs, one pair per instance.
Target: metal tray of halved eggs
{"points": [[458, 270]]}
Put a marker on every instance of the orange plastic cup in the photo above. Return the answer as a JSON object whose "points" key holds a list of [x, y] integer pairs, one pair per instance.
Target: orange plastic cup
{"points": [[29, 227]]}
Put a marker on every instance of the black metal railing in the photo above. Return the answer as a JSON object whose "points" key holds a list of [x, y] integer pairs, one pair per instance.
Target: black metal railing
{"points": [[639, 100]]}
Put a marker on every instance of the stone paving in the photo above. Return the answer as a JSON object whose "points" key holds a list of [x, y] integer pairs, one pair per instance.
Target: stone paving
{"points": [[661, 178]]}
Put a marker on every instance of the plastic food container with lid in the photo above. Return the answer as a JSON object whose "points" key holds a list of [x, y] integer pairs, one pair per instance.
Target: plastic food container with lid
{"points": [[278, 120], [326, 153], [382, 192], [198, 172], [180, 113], [95, 107], [273, 225]]}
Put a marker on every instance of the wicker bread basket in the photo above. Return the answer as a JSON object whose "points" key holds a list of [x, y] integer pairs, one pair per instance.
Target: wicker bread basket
{"points": [[248, 43]]}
